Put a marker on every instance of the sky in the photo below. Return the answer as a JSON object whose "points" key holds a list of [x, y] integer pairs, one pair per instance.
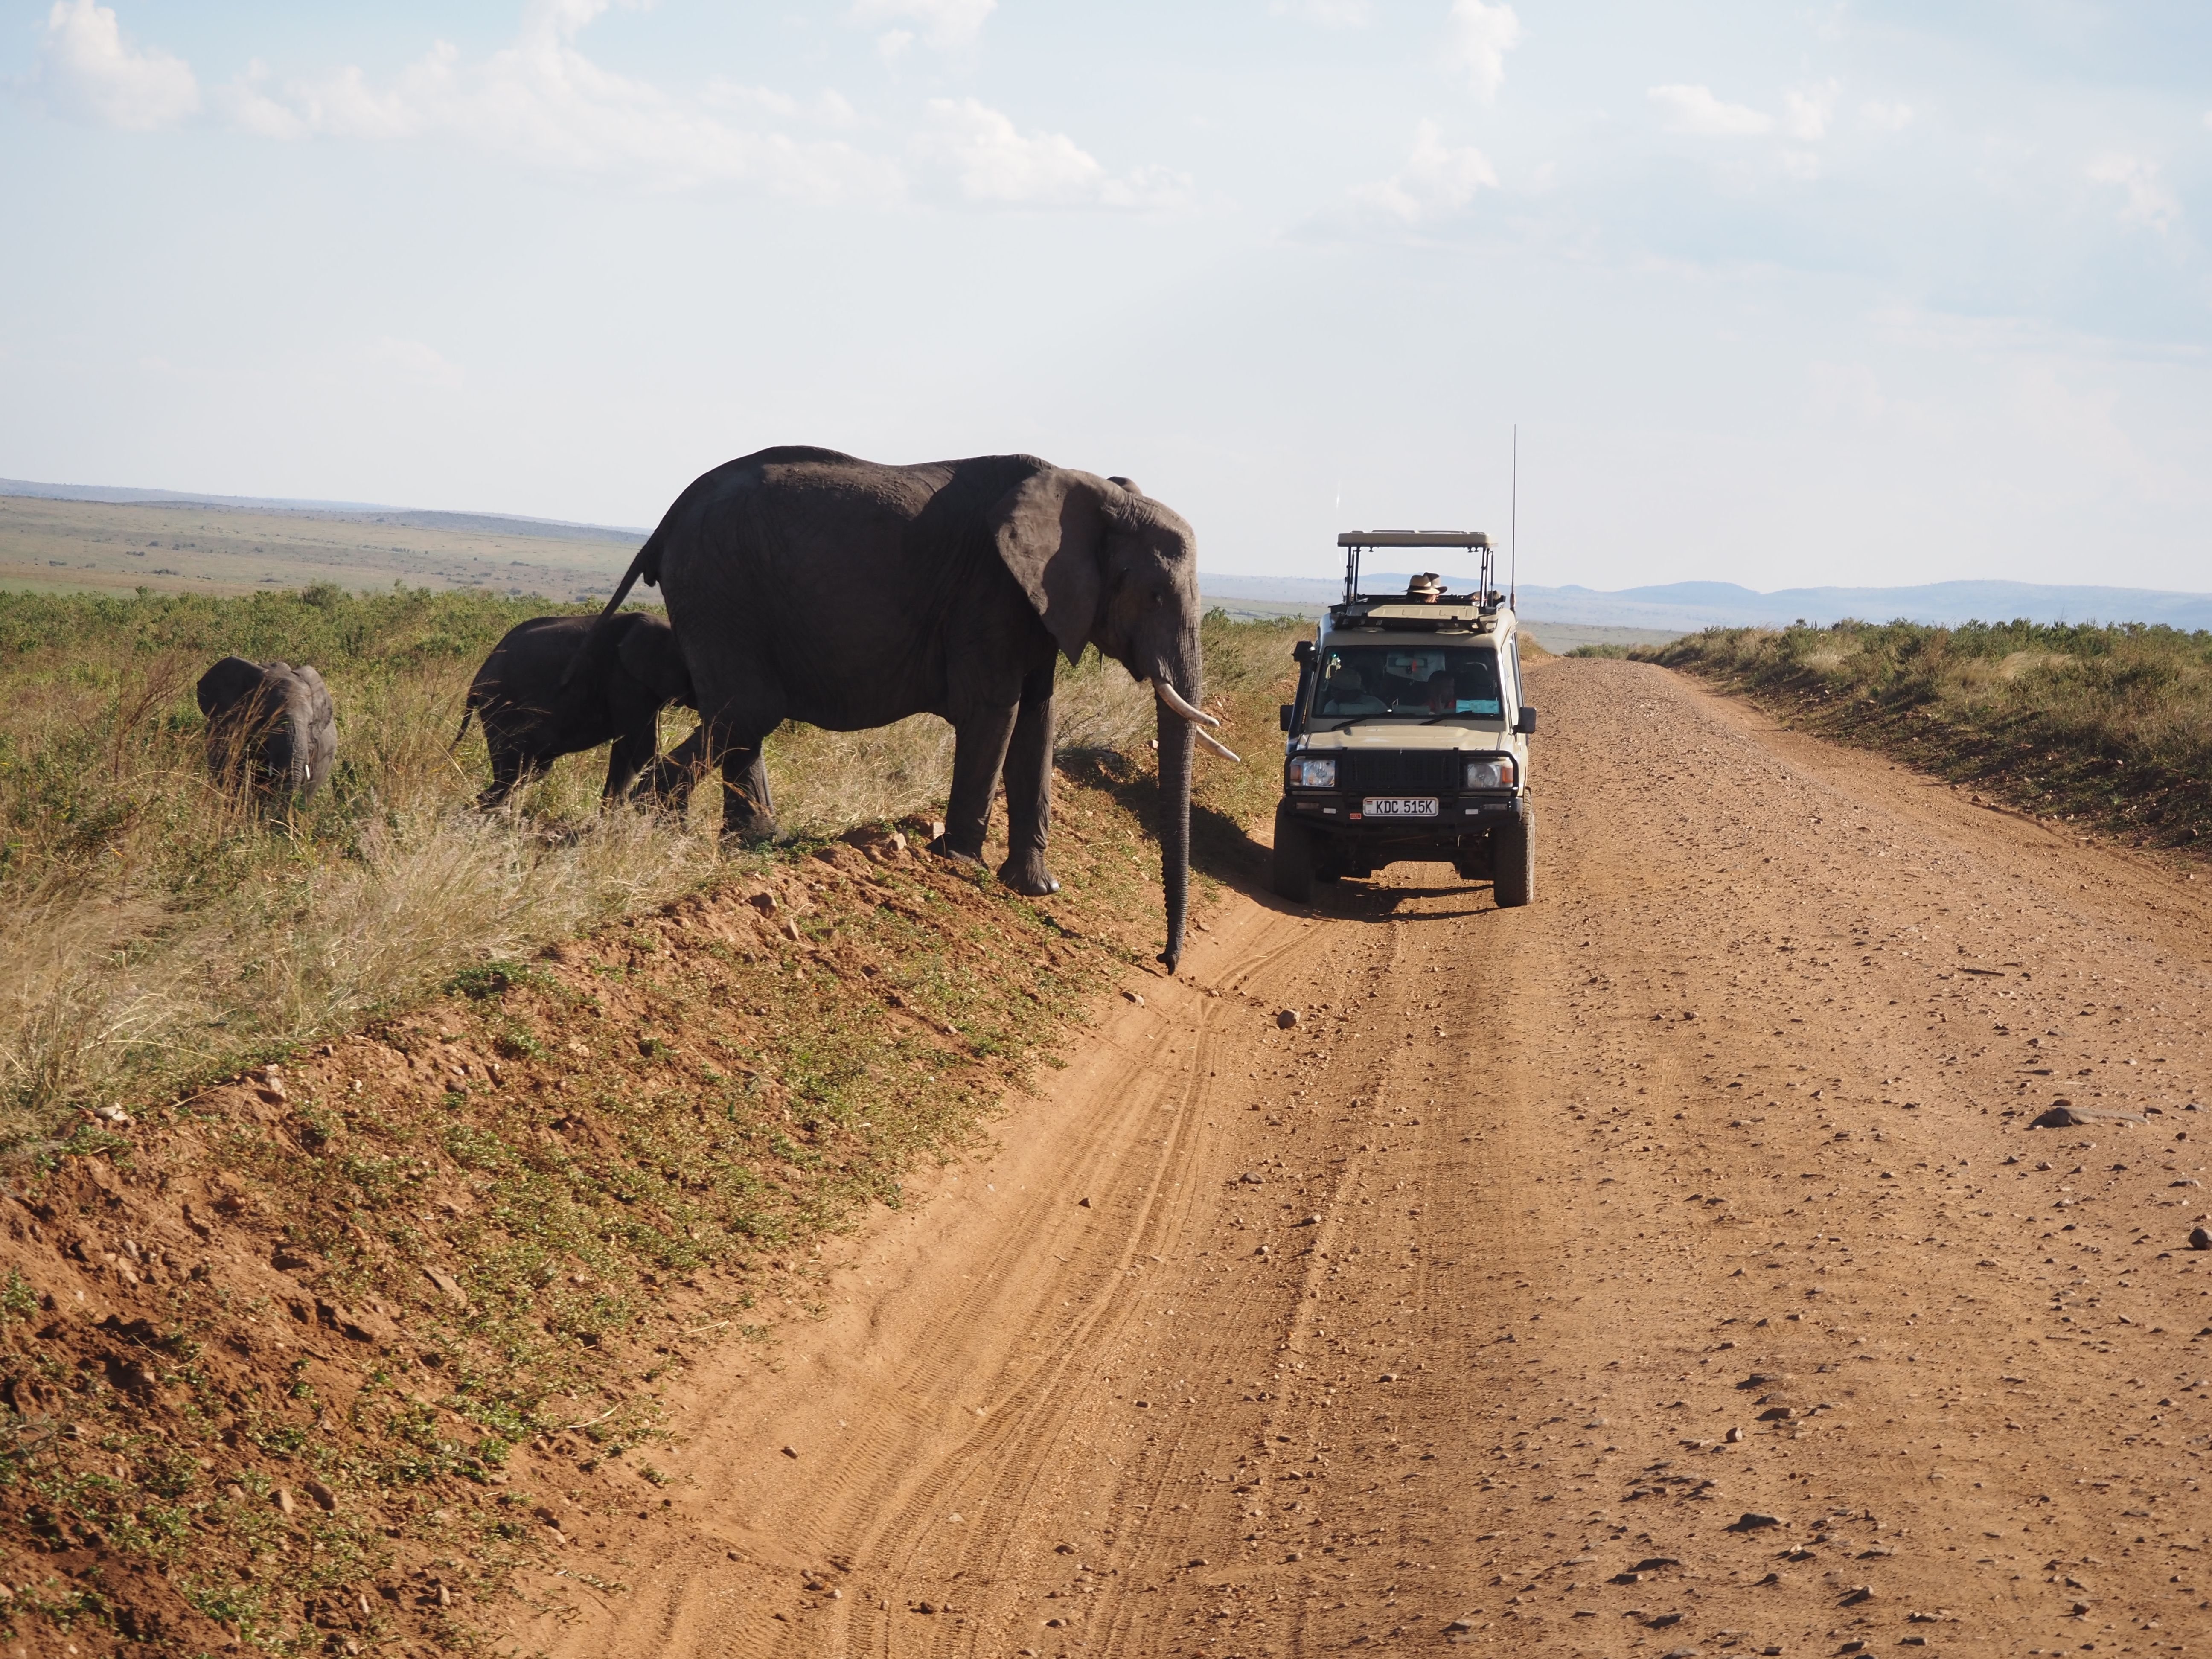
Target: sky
{"points": [[1875, 291]]}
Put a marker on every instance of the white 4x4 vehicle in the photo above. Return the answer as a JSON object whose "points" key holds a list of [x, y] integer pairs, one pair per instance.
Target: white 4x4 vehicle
{"points": [[1409, 738]]}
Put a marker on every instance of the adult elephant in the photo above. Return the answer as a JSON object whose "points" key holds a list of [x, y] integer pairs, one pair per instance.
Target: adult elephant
{"points": [[807, 585]]}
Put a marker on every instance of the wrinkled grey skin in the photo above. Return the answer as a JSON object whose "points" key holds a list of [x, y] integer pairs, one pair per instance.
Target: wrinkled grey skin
{"points": [[807, 584], [553, 687], [271, 727]]}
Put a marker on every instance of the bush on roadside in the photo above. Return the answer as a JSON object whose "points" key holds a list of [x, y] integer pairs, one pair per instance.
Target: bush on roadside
{"points": [[2110, 723]]}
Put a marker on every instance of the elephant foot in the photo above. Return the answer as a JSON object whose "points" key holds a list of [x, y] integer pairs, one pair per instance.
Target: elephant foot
{"points": [[944, 848], [1029, 878]]}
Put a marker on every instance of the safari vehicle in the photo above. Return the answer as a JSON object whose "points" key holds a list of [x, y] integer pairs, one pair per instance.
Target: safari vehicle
{"points": [[1409, 738]]}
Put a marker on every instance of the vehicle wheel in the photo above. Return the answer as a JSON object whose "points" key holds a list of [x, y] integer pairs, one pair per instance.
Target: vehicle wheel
{"points": [[1513, 862], [1473, 862], [1292, 874]]}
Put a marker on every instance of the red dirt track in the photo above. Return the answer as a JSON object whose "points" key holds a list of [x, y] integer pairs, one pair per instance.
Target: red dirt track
{"points": [[1728, 1132]]}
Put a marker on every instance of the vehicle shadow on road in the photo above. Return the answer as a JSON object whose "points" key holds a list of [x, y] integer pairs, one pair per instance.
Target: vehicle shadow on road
{"points": [[1223, 849]]}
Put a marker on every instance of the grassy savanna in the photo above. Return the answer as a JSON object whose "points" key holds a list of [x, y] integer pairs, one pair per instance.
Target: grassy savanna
{"points": [[153, 930], [55, 546], [2107, 725], [606, 1082]]}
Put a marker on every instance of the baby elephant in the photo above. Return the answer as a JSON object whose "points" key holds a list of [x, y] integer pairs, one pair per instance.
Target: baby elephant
{"points": [[270, 726], [530, 719]]}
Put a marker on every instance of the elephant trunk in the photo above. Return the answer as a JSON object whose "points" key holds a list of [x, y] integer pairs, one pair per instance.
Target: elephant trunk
{"points": [[1176, 734]]}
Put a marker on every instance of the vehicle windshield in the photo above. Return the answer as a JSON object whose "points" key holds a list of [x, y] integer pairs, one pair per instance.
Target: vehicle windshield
{"points": [[1406, 682]]}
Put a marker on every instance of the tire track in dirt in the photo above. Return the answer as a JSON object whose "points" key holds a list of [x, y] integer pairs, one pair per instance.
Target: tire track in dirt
{"points": [[1727, 1133]]}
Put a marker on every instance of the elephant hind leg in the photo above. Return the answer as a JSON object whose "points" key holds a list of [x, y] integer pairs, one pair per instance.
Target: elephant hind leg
{"points": [[748, 808], [510, 769], [979, 754], [668, 782], [1029, 791], [632, 753]]}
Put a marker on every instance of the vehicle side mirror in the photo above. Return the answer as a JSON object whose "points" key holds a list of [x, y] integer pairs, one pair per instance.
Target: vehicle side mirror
{"points": [[1283, 714], [1525, 721], [1303, 651]]}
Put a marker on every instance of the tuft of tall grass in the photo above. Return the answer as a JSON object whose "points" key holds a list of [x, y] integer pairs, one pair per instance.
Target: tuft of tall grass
{"points": [[2107, 722], [155, 930]]}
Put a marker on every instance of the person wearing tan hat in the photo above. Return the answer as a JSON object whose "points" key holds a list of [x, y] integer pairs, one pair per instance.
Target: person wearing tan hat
{"points": [[1424, 587]]}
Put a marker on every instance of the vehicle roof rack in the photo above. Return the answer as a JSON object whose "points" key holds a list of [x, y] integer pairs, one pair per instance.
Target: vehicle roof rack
{"points": [[1356, 542], [1412, 538]]}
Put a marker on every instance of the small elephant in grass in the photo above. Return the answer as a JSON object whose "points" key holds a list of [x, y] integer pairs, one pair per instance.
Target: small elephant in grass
{"points": [[532, 715], [270, 728]]}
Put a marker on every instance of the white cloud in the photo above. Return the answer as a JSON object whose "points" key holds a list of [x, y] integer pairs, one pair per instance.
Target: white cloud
{"points": [[1477, 37], [250, 110], [544, 102], [1695, 110], [1328, 14], [994, 161], [1806, 115], [943, 22], [86, 64], [1890, 117], [2150, 201], [826, 108], [1436, 180]]}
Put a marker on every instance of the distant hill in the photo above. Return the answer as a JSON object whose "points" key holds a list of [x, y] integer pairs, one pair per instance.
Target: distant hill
{"points": [[1683, 607], [496, 524]]}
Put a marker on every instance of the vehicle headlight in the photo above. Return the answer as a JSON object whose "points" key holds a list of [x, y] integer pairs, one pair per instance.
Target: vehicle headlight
{"points": [[1310, 772], [1497, 774]]}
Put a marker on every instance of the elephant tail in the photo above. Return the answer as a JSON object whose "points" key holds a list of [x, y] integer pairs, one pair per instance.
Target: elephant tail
{"points": [[467, 715], [646, 564]]}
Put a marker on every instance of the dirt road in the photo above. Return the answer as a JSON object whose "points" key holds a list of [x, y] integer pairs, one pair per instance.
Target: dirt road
{"points": [[1669, 1267]]}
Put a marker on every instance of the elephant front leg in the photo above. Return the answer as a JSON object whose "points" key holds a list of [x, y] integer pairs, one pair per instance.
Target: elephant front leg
{"points": [[1029, 791], [979, 752]]}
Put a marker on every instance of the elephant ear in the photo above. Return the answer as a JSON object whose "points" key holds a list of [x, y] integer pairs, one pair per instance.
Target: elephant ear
{"points": [[223, 686], [1051, 533], [648, 654]]}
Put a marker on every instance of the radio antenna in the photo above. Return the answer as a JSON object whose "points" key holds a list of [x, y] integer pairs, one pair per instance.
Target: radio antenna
{"points": [[1513, 531]]}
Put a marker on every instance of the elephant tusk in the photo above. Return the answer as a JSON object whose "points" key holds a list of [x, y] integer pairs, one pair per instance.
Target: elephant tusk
{"points": [[1168, 694], [1220, 748]]}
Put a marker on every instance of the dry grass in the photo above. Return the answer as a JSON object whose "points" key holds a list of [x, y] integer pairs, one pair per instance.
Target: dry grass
{"points": [[2109, 725], [153, 930]]}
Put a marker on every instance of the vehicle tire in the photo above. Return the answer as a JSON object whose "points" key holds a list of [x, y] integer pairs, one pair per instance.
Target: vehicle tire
{"points": [[1513, 862], [1292, 873], [1473, 863]]}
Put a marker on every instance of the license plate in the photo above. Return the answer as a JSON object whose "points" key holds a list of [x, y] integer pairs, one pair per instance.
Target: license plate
{"points": [[1400, 806]]}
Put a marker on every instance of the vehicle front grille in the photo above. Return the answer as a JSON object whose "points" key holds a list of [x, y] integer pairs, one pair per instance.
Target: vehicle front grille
{"points": [[1401, 772]]}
